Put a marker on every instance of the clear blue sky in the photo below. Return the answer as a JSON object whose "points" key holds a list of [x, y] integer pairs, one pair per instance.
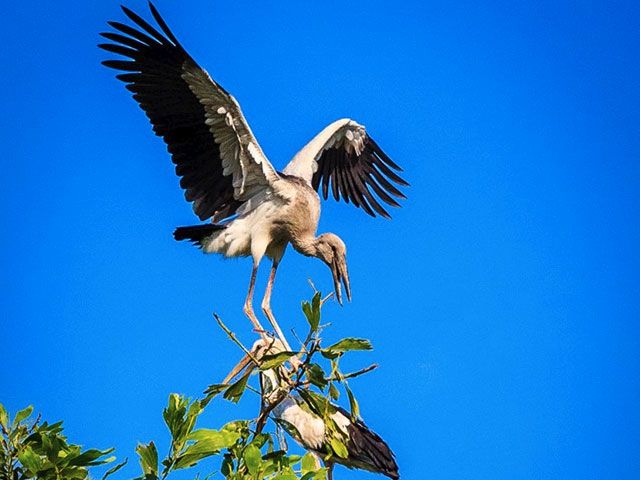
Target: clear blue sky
{"points": [[503, 299]]}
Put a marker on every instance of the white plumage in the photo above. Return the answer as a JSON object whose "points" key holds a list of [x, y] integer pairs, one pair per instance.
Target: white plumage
{"points": [[254, 209], [365, 449], [311, 428]]}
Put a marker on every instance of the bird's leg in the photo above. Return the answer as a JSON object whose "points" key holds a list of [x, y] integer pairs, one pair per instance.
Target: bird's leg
{"points": [[248, 303], [266, 306], [329, 470]]}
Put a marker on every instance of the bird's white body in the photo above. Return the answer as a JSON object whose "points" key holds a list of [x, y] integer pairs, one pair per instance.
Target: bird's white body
{"points": [[290, 209], [364, 449], [310, 427], [225, 173]]}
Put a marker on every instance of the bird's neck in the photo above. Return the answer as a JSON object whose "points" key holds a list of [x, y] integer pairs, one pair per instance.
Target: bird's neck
{"points": [[307, 245]]}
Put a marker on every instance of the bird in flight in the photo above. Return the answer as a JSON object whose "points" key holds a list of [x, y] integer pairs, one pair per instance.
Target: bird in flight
{"points": [[365, 449], [252, 209]]}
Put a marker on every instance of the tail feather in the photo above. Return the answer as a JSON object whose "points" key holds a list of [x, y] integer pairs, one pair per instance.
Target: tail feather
{"points": [[370, 452], [196, 234]]}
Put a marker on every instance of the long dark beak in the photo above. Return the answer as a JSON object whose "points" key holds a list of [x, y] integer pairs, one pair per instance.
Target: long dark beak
{"points": [[340, 275], [246, 360]]}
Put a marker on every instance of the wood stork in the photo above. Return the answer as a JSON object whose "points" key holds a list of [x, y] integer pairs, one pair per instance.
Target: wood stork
{"points": [[254, 209], [365, 449]]}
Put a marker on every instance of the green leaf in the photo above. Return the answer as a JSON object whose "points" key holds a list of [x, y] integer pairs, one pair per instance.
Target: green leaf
{"points": [[211, 392], [316, 304], [317, 403], [331, 355], [194, 410], [312, 311], [4, 417], [355, 408], [148, 459], [349, 344], [214, 438], [315, 374], [235, 391], [271, 361], [308, 463], [252, 458], [239, 426], [114, 469], [320, 474], [208, 442], [174, 415], [285, 476], [31, 461], [262, 438], [22, 415], [188, 460], [227, 465], [91, 457], [334, 393], [339, 448]]}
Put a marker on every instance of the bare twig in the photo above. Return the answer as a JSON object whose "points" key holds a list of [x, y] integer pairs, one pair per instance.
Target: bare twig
{"points": [[233, 337], [254, 390], [326, 298], [304, 345], [264, 412], [340, 377], [305, 351]]}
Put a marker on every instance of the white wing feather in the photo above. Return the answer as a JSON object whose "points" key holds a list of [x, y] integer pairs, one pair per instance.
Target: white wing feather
{"points": [[241, 155], [344, 132]]}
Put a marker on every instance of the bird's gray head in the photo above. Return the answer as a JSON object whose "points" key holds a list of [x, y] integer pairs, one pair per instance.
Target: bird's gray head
{"points": [[332, 251]]}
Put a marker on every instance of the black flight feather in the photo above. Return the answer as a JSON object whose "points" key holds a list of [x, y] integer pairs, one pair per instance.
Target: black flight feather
{"points": [[155, 72], [350, 175]]}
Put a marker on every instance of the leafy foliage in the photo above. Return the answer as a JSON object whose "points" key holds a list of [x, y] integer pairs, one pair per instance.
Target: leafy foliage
{"points": [[31, 449], [246, 448], [245, 453], [315, 385]]}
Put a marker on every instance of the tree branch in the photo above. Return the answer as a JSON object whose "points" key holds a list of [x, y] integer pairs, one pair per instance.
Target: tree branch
{"points": [[233, 337]]}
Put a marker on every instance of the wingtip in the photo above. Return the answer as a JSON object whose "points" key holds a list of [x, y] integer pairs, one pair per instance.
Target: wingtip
{"points": [[112, 23]]}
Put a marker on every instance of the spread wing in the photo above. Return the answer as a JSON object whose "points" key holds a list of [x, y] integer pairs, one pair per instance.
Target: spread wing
{"points": [[218, 159], [344, 156]]}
